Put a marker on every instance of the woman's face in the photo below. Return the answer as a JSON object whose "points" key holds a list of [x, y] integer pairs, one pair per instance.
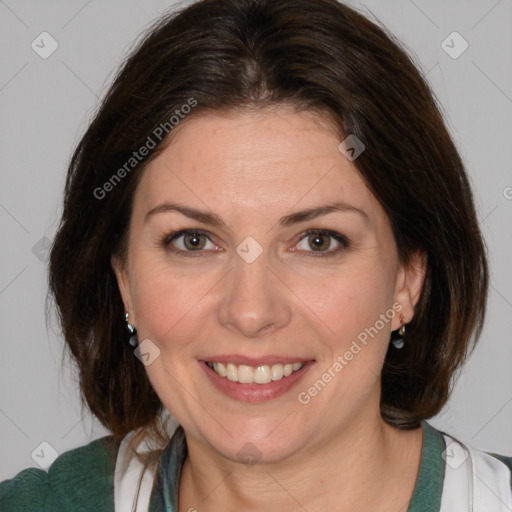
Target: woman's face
{"points": [[251, 287]]}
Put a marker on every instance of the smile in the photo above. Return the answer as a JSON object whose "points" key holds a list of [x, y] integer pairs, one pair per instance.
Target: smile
{"points": [[261, 374], [256, 380]]}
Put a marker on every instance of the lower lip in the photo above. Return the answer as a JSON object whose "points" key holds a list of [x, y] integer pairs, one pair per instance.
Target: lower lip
{"points": [[255, 392]]}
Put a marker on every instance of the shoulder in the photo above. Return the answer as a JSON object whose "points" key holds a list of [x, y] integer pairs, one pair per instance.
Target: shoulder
{"points": [[81, 479], [485, 476], [503, 458]]}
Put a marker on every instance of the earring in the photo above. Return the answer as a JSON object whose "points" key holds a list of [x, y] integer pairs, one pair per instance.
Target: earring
{"points": [[131, 330], [399, 342]]}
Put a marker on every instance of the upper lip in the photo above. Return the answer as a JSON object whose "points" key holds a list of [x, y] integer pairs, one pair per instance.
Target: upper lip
{"points": [[254, 361]]}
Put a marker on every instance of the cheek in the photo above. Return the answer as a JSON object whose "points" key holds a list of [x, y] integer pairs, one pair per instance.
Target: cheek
{"points": [[169, 305], [354, 298], [357, 308]]}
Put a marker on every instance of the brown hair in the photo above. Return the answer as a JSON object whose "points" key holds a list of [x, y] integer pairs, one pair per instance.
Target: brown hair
{"points": [[235, 54]]}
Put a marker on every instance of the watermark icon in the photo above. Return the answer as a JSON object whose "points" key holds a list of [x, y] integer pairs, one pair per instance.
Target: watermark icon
{"points": [[44, 455], [249, 250], [454, 45], [249, 454], [147, 352], [454, 455], [304, 397], [507, 192], [352, 147], [44, 45], [157, 135], [41, 250]]}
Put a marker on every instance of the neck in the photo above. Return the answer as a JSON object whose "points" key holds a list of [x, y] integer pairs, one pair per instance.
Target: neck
{"points": [[354, 470]]}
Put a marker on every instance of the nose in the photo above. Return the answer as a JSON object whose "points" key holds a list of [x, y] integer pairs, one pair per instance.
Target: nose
{"points": [[255, 300]]}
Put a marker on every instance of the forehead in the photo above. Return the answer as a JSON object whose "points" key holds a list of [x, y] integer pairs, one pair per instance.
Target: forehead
{"points": [[256, 163]]}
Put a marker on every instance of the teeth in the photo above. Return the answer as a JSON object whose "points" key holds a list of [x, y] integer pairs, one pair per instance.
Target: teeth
{"points": [[262, 374], [220, 369], [277, 372], [231, 372], [245, 374]]}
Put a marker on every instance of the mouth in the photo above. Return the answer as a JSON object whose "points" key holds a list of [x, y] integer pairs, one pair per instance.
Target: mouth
{"points": [[255, 380], [261, 374]]}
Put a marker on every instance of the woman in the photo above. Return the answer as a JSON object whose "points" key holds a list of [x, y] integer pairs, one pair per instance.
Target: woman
{"points": [[268, 234]]}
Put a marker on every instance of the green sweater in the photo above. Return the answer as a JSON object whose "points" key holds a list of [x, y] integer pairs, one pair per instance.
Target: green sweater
{"points": [[82, 480]]}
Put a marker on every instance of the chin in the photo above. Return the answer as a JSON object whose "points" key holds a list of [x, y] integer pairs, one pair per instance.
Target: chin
{"points": [[257, 441]]}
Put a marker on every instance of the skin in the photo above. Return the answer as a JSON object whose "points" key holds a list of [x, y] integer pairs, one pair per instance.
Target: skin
{"points": [[251, 169]]}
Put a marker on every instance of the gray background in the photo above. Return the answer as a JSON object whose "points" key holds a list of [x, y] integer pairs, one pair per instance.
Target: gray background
{"points": [[46, 105]]}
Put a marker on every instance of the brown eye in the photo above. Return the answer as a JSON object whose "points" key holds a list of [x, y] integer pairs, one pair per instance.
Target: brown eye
{"points": [[321, 242], [193, 241], [187, 242]]}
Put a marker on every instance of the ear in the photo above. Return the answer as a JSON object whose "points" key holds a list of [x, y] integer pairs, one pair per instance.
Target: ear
{"points": [[123, 282], [409, 283]]}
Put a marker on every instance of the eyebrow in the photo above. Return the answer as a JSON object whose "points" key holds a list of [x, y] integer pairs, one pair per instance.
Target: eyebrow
{"points": [[294, 218]]}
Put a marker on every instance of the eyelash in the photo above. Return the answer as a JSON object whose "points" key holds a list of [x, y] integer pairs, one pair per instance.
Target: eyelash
{"points": [[343, 240]]}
